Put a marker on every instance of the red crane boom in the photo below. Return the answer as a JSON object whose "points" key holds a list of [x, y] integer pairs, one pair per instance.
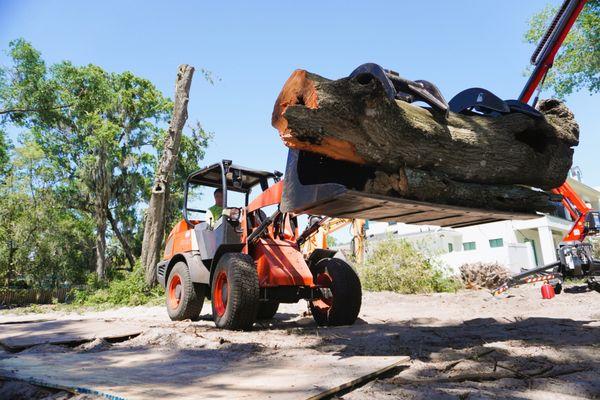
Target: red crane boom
{"points": [[542, 59]]}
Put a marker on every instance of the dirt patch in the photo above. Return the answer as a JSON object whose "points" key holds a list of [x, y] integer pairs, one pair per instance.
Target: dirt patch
{"points": [[464, 345]]}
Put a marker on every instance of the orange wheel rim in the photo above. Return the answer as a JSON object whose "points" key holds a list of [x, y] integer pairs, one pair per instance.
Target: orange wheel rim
{"points": [[221, 293], [175, 291], [323, 280]]}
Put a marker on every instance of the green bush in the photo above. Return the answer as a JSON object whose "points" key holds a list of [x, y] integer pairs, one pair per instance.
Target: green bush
{"points": [[123, 289], [396, 266]]}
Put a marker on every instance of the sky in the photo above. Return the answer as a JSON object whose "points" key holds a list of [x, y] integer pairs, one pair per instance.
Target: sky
{"points": [[252, 48]]}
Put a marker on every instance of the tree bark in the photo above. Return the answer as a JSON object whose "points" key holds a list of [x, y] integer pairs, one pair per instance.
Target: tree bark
{"points": [[121, 238], [11, 263], [101, 181], [432, 187], [353, 120], [155, 215]]}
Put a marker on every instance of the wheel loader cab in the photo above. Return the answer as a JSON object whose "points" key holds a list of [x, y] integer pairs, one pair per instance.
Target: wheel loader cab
{"points": [[199, 239], [219, 234]]}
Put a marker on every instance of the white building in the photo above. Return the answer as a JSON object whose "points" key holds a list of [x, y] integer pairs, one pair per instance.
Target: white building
{"points": [[517, 244]]}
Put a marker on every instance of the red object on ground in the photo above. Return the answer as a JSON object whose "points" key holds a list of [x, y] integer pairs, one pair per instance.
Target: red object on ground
{"points": [[547, 291]]}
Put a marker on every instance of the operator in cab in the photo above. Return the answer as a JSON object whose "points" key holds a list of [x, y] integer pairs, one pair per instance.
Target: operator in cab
{"points": [[217, 209]]}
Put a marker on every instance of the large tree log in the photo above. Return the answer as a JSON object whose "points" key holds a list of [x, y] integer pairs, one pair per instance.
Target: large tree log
{"points": [[353, 120], [154, 227]]}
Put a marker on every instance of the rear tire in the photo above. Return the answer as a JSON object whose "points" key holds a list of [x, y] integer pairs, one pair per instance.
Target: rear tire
{"points": [[184, 297], [235, 292], [267, 309], [342, 280]]}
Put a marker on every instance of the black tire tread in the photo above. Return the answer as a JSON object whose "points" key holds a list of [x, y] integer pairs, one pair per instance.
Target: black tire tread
{"points": [[193, 295], [242, 307], [345, 286]]}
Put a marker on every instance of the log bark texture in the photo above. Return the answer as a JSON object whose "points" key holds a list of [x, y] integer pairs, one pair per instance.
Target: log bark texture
{"points": [[353, 120], [428, 186], [154, 227]]}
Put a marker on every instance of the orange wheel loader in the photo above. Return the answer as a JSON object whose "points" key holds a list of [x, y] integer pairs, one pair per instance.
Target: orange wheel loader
{"points": [[247, 263]]}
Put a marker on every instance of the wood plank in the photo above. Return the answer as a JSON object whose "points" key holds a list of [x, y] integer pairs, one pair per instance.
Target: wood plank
{"points": [[23, 335], [215, 374]]}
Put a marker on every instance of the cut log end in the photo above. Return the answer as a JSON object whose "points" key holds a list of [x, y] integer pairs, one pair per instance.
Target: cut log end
{"points": [[296, 90], [300, 90]]}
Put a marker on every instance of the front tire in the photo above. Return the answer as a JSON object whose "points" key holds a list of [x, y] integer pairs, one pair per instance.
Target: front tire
{"points": [[184, 297], [344, 305], [235, 292]]}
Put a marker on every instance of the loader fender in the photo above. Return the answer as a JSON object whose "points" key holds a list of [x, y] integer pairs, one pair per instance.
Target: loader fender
{"points": [[198, 272]]}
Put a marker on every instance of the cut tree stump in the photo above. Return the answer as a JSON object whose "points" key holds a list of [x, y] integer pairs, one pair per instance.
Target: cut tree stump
{"points": [[354, 120]]}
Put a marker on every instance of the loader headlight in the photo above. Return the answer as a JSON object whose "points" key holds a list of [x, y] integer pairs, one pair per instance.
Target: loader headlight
{"points": [[232, 213]]}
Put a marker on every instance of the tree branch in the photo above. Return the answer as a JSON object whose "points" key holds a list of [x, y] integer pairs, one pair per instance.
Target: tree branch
{"points": [[121, 238], [37, 110]]}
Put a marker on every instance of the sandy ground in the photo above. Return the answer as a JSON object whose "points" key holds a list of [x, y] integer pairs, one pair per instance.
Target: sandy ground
{"points": [[464, 345]]}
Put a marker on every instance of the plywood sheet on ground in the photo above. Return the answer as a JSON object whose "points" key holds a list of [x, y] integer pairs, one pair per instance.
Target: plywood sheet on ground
{"points": [[188, 374], [22, 335]]}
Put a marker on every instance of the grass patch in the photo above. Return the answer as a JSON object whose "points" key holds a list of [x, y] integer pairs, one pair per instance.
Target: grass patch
{"points": [[396, 266], [123, 289]]}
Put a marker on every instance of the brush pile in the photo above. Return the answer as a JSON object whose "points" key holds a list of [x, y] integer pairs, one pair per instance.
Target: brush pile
{"points": [[483, 275]]}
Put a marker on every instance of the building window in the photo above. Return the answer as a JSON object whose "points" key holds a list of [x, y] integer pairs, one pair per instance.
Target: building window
{"points": [[469, 246], [496, 243], [450, 248]]}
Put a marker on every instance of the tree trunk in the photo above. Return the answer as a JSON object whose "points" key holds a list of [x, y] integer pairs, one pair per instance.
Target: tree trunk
{"points": [[11, 263], [353, 120], [121, 238], [432, 187], [101, 180], [101, 249], [155, 215]]}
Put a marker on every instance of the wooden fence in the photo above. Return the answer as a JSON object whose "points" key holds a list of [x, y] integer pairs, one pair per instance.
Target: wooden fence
{"points": [[19, 297]]}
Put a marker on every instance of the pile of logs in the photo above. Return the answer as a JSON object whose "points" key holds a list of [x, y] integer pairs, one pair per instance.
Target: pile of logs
{"points": [[421, 154]]}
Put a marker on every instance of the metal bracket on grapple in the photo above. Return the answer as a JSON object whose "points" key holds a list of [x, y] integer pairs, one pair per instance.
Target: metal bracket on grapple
{"points": [[485, 102], [398, 88]]}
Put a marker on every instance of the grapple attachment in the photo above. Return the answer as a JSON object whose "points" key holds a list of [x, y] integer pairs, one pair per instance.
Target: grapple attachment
{"points": [[399, 88], [318, 185]]}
